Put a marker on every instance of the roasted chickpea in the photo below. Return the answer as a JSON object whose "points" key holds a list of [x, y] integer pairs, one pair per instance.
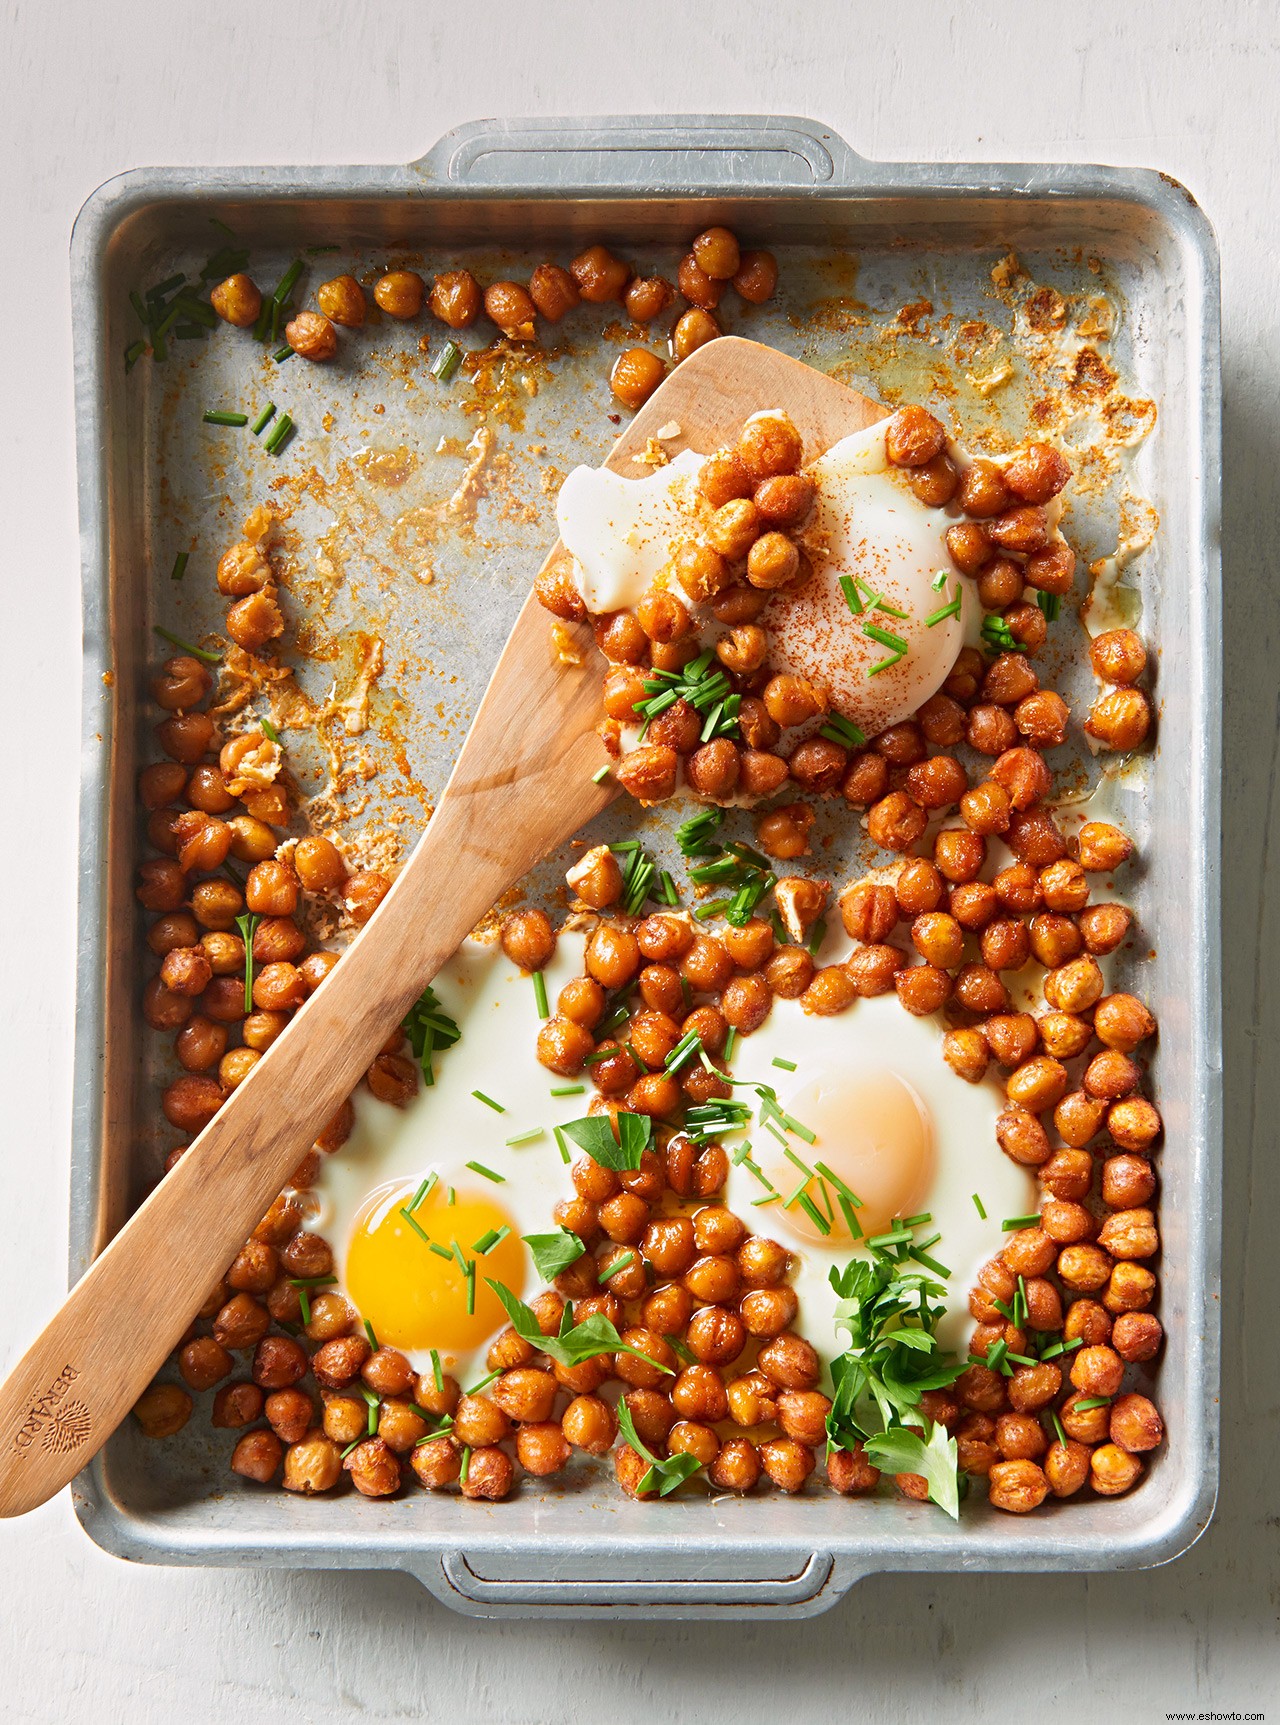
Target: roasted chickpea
{"points": [[401, 293], [257, 1456], [1067, 1174], [342, 301], [785, 499], [966, 1053], [1083, 1268], [1017, 1486], [237, 300], [1119, 720], [1122, 1022], [790, 1362], [990, 729], [455, 298], [599, 275], [311, 336], [1136, 1337], [636, 374], [691, 331], [1118, 656], [913, 437], [774, 561], [896, 822], [1113, 1470]]}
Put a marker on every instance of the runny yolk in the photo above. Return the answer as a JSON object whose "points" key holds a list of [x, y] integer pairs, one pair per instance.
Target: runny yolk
{"points": [[875, 1133], [416, 1298]]}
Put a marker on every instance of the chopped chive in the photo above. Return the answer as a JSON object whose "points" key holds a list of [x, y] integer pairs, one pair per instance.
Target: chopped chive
{"points": [[621, 1263], [288, 281], [1093, 1402], [247, 925], [459, 1255], [795, 1162], [167, 286], [792, 1197], [197, 311], [216, 416], [179, 566], [730, 1043], [470, 1273], [838, 1183], [895, 1237], [758, 1173], [282, 353], [524, 1137], [264, 419], [446, 362], [487, 1241], [600, 775], [540, 994], [799, 1128], [886, 664], [705, 912], [135, 300], [466, 1465], [1051, 605], [952, 609], [312, 1281], [928, 1262], [817, 938], [568, 1090], [280, 436], [815, 1215], [669, 888], [786, 1065], [769, 1198], [451, 1196], [884, 637], [849, 588], [417, 1227], [269, 731], [924, 1245], [851, 1221], [917, 1221], [838, 729], [355, 1444], [562, 1145], [1010, 1223], [1023, 1359], [940, 580], [1057, 1426], [488, 1101], [436, 1374], [133, 353], [483, 1384], [427, 1185], [488, 1173], [977, 1204], [373, 1340], [304, 1306]]}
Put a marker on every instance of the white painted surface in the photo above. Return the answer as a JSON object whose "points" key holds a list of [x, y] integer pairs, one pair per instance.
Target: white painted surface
{"points": [[87, 90]]}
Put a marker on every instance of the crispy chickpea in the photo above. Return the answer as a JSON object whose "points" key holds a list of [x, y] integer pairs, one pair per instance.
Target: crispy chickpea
{"points": [[162, 886], [763, 1263], [455, 299], [1097, 1371], [563, 1046], [1134, 1123], [511, 307], [737, 1466], [691, 331], [1000, 583], [1038, 1084], [1118, 656], [278, 1363], [938, 938], [235, 1406], [934, 482], [318, 864], [363, 893], [831, 990], [204, 1362], [541, 1448], [1067, 1174], [981, 1389], [783, 834], [437, 1463], [624, 1218], [869, 911], [990, 729], [913, 437], [1005, 944], [187, 737], [342, 301], [191, 1102], [1111, 1075], [785, 499], [1019, 1437], [1084, 1269], [790, 1362], [746, 1002], [254, 1268], [311, 336], [1135, 1424], [717, 254], [528, 939], [635, 375], [1128, 1182], [161, 784], [716, 1336], [400, 293], [312, 1464], [1028, 1252], [1113, 1470], [978, 989], [769, 444], [713, 769], [182, 683], [254, 621], [1017, 1486], [871, 970], [1136, 1336], [1011, 1037], [336, 1362], [1130, 1234], [1130, 1287], [1121, 1021], [374, 1468], [599, 275], [787, 1463], [257, 1456], [290, 1414], [589, 1424], [1103, 847], [237, 300], [958, 854], [647, 297], [966, 1053], [696, 285], [774, 561], [1119, 720], [896, 822], [756, 277], [866, 781]]}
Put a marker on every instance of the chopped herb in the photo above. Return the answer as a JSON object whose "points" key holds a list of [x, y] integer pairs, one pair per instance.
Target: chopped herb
{"points": [[688, 1048], [922, 1257], [1011, 1223], [280, 436], [446, 362], [540, 994], [977, 1204], [321, 251], [483, 1384], [664, 1475], [618, 1265], [668, 887], [573, 1343], [851, 1221], [488, 1240], [428, 1029], [637, 877], [553, 1252], [355, 1444], [165, 287], [488, 1101], [216, 416], [838, 729], [818, 936], [288, 281], [373, 1340], [996, 633], [437, 1374], [600, 775], [179, 566], [466, 1464], [282, 353], [417, 1227], [704, 912], [1092, 1402], [269, 731], [940, 580], [1051, 605], [1057, 1426], [439, 1250], [427, 1186], [730, 1042], [812, 1211], [197, 312], [247, 924], [470, 1274], [696, 835], [849, 588], [616, 1144], [704, 685], [952, 609], [195, 652], [568, 1090], [264, 419], [528, 1137], [561, 1145], [488, 1173], [786, 1065], [680, 1350], [304, 1306]]}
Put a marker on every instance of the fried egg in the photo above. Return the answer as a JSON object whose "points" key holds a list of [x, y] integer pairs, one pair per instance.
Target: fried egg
{"points": [[895, 1127], [414, 1291]]}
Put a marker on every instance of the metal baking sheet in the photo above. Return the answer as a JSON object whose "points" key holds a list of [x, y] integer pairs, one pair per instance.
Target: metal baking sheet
{"points": [[893, 276]]}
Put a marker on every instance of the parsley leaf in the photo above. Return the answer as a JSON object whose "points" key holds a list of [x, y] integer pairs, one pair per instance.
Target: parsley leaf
{"points": [[666, 1475], [935, 1457], [890, 1313], [575, 1342], [428, 1029], [554, 1252], [620, 1151]]}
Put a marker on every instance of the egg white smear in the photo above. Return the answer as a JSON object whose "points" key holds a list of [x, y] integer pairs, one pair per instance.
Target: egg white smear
{"points": [[894, 1127]]}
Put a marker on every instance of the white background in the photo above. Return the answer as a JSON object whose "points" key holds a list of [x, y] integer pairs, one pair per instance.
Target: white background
{"points": [[87, 90]]}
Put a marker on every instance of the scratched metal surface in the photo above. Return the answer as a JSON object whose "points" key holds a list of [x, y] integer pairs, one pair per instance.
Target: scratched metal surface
{"points": [[365, 486]]}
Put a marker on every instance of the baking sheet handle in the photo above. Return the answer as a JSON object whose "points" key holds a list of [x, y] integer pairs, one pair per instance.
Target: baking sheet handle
{"points": [[807, 1583], [694, 153]]}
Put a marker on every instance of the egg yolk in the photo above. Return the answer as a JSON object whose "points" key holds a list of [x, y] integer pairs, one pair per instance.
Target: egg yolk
{"points": [[874, 1132], [415, 1297]]}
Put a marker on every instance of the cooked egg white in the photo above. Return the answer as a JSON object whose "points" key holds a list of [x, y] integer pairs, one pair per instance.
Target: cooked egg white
{"points": [[897, 1128], [416, 1297], [868, 528]]}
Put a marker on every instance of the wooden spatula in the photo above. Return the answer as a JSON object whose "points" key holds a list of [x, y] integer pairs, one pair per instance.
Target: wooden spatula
{"points": [[522, 784]]}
